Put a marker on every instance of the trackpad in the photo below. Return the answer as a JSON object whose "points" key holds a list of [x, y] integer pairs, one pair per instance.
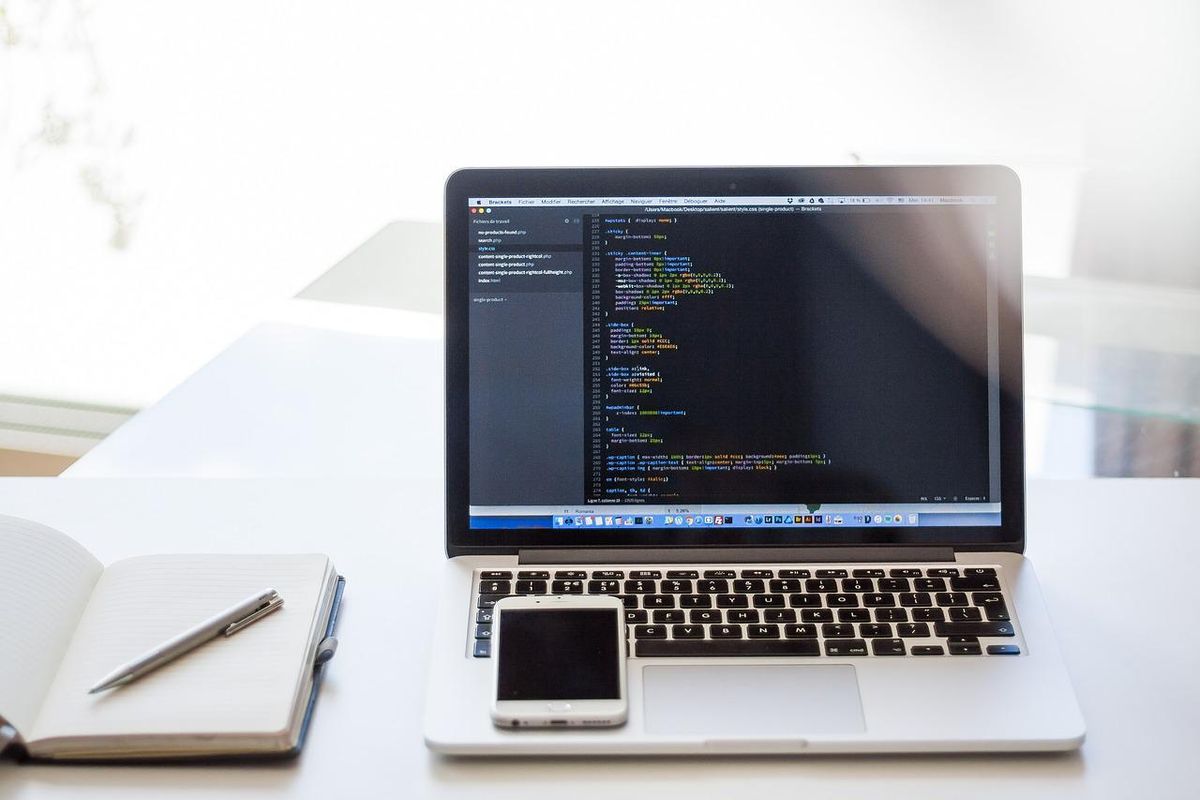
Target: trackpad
{"points": [[752, 700]]}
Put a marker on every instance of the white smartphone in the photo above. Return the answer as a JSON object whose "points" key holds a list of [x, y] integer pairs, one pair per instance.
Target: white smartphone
{"points": [[559, 661]]}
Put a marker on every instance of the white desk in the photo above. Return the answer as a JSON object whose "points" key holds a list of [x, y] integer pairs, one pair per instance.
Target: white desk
{"points": [[1127, 638], [296, 400]]}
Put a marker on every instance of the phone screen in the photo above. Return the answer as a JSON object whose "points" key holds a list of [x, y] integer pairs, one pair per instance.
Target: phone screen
{"points": [[559, 654]]}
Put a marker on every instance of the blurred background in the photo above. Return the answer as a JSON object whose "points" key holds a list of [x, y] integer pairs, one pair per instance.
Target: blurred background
{"points": [[173, 174]]}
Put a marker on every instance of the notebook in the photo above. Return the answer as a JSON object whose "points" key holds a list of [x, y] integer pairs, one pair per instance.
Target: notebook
{"points": [[66, 620]]}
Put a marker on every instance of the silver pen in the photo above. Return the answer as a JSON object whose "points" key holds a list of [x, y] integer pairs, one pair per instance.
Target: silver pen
{"points": [[228, 622]]}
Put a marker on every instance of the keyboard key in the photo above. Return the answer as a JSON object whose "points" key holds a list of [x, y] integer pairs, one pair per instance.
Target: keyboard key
{"points": [[846, 647], [489, 600], [571, 574], [718, 647], [533, 575], [951, 599], [800, 631], [875, 630], [992, 604], [912, 599], [758, 573], [769, 601], [482, 649], [794, 573], [785, 586], [867, 573], [725, 631], [635, 617], [835, 630], [495, 575], [639, 587], [858, 585], [966, 614], [604, 587], [645, 574], [667, 617], [763, 631], [854, 615], [531, 587], [658, 601], [682, 574], [629, 600], [942, 572], [980, 583], [975, 571], [891, 615], [779, 615], [713, 586], [675, 587], [973, 629], [839, 600], [741, 615], [1003, 650], [908, 572], [649, 631], [733, 601], [567, 587], [704, 615], [913, 630], [804, 600], [719, 573], [930, 584], [687, 631], [495, 587], [877, 599], [964, 648], [831, 573], [816, 615], [484, 615], [608, 574], [749, 587], [894, 585], [821, 585], [928, 650], [483, 631], [887, 647], [695, 601], [928, 615]]}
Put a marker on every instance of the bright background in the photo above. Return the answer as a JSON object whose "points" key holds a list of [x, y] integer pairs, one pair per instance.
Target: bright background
{"points": [[170, 173]]}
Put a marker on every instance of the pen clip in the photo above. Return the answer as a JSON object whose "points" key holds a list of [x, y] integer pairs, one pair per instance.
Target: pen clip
{"points": [[272, 602]]}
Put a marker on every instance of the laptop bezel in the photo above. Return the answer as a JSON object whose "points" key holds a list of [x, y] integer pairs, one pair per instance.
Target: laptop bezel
{"points": [[761, 181]]}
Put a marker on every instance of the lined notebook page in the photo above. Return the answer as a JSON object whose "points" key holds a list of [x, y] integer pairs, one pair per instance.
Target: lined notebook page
{"points": [[247, 683], [45, 581]]}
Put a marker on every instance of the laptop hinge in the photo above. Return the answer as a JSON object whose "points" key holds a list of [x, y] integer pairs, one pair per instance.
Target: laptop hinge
{"points": [[734, 555]]}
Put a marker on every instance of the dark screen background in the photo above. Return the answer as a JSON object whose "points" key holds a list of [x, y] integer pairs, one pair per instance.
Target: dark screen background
{"points": [[808, 346], [558, 655], [860, 336]]}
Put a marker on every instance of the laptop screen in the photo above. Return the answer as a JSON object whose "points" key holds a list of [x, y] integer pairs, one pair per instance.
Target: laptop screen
{"points": [[768, 362]]}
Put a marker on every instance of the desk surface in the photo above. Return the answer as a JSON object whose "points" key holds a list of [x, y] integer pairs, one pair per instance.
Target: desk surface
{"points": [[1132, 664]]}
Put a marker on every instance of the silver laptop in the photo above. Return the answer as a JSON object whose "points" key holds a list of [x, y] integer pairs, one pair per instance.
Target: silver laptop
{"points": [[778, 412]]}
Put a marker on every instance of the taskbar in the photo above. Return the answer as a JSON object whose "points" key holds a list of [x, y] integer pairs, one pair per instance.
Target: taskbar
{"points": [[685, 521]]}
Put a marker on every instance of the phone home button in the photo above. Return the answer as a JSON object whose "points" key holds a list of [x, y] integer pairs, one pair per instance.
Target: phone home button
{"points": [[558, 707]]}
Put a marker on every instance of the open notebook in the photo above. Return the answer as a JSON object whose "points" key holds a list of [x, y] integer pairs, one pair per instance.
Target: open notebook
{"points": [[66, 621]]}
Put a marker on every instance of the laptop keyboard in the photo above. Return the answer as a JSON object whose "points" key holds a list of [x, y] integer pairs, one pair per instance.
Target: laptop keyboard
{"points": [[933, 610]]}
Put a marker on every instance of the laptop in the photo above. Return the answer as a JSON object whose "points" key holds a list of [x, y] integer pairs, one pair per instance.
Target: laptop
{"points": [[778, 413]]}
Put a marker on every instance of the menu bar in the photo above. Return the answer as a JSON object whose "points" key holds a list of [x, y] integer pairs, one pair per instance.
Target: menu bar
{"points": [[779, 200]]}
